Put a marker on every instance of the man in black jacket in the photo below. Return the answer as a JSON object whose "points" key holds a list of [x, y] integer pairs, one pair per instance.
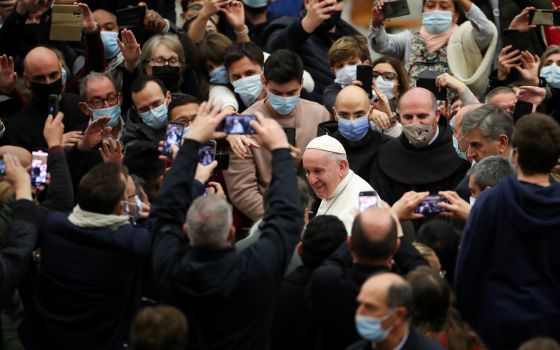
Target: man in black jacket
{"points": [[227, 296], [311, 35], [334, 286]]}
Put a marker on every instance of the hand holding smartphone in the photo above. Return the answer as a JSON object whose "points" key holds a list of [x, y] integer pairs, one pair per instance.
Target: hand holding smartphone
{"points": [[364, 74], [207, 152], [427, 80], [396, 8]]}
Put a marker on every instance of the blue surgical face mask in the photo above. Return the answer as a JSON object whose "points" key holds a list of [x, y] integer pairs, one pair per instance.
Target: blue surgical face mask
{"points": [[346, 75], [219, 75], [64, 75], [462, 155], [283, 105], [436, 22], [248, 88], [353, 130], [113, 112], [386, 87], [110, 44], [552, 75], [370, 328], [256, 3], [138, 203], [156, 117]]}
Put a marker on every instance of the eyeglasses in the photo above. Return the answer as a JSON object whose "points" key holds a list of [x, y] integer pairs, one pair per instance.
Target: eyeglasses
{"points": [[160, 61], [98, 102], [151, 106], [387, 76]]}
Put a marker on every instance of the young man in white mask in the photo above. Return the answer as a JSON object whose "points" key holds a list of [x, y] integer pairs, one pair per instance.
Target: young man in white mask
{"points": [[423, 157], [247, 177]]}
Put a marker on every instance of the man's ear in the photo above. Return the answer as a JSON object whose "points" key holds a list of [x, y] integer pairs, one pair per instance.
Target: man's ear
{"points": [[334, 113], [401, 314], [183, 16], [349, 242], [186, 230], [231, 235], [344, 165], [85, 110], [299, 248], [168, 97], [397, 246], [503, 143], [27, 81]]}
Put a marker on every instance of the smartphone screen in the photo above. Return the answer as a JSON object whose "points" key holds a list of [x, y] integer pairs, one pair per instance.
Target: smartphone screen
{"points": [[364, 74], [291, 135], [131, 17], [544, 17], [2, 167], [429, 206], [53, 105], [39, 168], [521, 108], [237, 124], [174, 133], [367, 200], [397, 8], [207, 152]]}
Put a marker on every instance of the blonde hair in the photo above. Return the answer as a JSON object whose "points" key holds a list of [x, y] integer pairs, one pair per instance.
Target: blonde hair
{"points": [[347, 47]]}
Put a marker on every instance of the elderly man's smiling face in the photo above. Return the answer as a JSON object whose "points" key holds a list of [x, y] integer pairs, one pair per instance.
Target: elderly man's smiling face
{"points": [[324, 171]]}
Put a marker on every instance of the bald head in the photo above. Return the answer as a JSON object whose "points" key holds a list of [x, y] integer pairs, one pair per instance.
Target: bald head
{"points": [[40, 57], [418, 94], [352, 94], [22, 154], [374, 235], [382, 281]]}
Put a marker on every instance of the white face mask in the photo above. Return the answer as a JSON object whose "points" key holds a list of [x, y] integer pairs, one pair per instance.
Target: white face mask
{"points": [[419, 134], [386, 87], [472, 200], [346, 75]]}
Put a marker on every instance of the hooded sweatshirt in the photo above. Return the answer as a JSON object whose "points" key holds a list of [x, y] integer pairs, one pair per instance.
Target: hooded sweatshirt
{"points": [[508, 269]]}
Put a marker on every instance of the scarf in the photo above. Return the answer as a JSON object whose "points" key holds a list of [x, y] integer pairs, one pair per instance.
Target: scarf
{"points": [[88, 219], [435, 42]]}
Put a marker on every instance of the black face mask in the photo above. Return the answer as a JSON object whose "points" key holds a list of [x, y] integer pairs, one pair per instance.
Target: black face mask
{"points": [[329, 23], [41, 92], [169, 75]]}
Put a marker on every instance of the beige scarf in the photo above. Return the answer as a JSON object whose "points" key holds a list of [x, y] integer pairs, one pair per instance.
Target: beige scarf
{"points": [[88, 219], [435, 42]]}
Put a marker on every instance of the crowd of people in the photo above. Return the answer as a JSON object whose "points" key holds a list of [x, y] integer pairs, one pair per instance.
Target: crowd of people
{"points": [[226, 178]]}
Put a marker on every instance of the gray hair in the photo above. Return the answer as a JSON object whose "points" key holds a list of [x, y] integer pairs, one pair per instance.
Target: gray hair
{"points": [[490, 120], [400, 294], [209, 220], [171, 41], [490, 170], [497, 91], [92, 77]]}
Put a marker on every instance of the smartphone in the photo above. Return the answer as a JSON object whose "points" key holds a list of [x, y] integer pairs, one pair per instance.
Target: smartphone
{"points": [[2, 167], [291, 135], [427, 80], [367, 199], [174, 134], [521, 108], [429, 206], [237, 124], [53, 105], [544, 17], [131, 17], [39, 168], [66, 23], [207, 152], [223, 160], [518, 40], [364, 73], [397, 8]]}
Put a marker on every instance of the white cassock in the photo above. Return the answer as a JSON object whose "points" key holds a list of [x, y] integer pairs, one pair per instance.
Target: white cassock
{"points": [[344, 201]]}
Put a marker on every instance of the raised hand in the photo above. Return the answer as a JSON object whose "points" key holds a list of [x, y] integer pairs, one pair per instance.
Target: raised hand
{"points": [[318, 12], [207, 120], [111, 151], [531, 94], [529, 68], [8, 75], [152, 20], [448, 81], [130, 49], [71, 138], [17, 176], [405, 207], [203, 172], [95, 132], [89, 23], [240, 144], [235, 15], [212, 7], [54, 130], [457, 208], [377, 16]]}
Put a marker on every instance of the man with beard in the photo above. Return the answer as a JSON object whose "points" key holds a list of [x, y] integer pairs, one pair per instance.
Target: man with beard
{"points": [[43, 76], [311, 35], [423, 157]]}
